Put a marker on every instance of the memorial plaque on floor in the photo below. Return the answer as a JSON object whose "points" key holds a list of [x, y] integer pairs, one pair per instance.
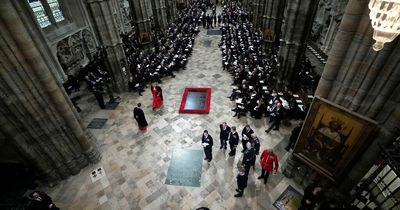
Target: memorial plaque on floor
{"points": [[97, 123], [185, 168]]}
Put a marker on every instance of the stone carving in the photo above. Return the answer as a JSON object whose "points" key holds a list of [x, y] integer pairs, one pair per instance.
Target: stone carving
{"points": [[73, 50]]}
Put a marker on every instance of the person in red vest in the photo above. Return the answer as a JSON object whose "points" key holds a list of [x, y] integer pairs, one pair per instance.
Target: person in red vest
{"points": [[157, 96], [269, 163]]}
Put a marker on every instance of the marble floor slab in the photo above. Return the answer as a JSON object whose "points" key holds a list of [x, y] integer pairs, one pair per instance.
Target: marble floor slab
{"points": [[136, 163]]}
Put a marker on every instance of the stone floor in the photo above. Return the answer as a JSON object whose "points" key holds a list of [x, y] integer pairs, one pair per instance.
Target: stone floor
{"points": [[136, 163]]}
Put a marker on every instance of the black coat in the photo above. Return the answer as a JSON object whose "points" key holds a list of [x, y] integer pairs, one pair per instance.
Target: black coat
{"points": [[256, 145], [247, 133], [43, 204], [208, 140], [249, 156], [138, 114], [224, 134], [234, 138], [242, 181]]}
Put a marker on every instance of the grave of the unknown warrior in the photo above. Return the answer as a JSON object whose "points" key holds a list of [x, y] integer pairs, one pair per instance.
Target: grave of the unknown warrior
{"points": [[185, 168]]}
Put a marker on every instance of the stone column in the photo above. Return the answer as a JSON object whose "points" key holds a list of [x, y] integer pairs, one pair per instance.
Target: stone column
{"points": [[108, 36], [299, 16], [272, 19], [36, 114], [364, 81], [141, 17], [171, 10], [258, 10], [331, 34], [159, 14]]}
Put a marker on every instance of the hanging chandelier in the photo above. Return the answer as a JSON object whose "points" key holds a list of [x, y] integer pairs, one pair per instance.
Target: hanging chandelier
{"points": [[385, 19]]}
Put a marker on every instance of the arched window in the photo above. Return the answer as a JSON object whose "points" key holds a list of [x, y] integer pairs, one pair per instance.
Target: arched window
{"points": [[55, 9], [47, 12], [40, 13]]}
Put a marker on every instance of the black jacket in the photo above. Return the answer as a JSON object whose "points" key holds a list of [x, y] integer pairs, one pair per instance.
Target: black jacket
{"points": [[224, 134], [208, 140], [234, 138], [242, 180]]}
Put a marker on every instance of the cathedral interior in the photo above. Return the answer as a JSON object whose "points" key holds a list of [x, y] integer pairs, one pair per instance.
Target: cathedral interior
{"points": [[72, 72]]}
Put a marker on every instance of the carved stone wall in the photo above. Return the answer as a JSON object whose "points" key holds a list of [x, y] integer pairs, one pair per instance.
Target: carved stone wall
{"points": [[75, 50]]}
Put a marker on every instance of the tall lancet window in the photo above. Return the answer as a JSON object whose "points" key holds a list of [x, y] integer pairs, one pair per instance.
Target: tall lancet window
{"points": [[40, 13], [55, 9]]}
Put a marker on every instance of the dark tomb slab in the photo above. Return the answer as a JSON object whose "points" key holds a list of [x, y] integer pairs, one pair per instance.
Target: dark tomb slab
{"points": [[185, 168], [111, 105], [207, 43], [97, 123], [289, 199], [213, 32], [196, 100]]}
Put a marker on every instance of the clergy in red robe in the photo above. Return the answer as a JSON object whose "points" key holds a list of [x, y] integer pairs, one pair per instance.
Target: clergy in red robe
{"points": [[157, 96]]}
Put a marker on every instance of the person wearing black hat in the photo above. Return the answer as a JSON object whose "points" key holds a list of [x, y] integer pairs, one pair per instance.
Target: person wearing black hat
{"points": [[207, 142]]}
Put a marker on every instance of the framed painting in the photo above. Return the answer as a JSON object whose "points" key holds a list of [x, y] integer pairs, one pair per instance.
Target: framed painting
{"points": [[331, 138]]}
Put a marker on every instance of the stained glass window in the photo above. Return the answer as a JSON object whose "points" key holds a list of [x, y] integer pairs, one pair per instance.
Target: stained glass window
{"points": [[39, 12], [55, 9]]}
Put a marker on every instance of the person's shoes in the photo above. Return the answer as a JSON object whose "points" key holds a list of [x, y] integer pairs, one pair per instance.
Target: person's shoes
{"points": [[209, 160], [205, 158], [265, 182], [260, 177], [140, 94], [242, 151], [287, 149], [221, 147], [235, 115], [237, 190], [276, 129], [266, 131], [224, 147], [238, 195]]}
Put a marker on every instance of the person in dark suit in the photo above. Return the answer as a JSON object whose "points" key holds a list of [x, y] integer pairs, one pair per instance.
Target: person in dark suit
{"points": [[249, 157], [313, 194], [246, 135], [233, 141], [293, 138], [138, 114], [241, 179], [275, 117], [41, 201], [207, 142], [224, 131]]}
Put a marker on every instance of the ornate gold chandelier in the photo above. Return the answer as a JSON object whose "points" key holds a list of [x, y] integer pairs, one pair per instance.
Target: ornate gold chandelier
{"points": [[385, 19]]}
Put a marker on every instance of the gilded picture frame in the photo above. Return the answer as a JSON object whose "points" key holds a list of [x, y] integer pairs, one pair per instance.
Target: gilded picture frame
{"points": [[331, 138]]}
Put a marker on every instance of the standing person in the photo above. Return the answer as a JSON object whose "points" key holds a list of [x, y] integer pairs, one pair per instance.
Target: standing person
{"points": [[246, 134], [249, 156], [224, 131], [255, 144], [157, 96], [41, 201], [233, 141], [241, 179], [138, 114], [269, 163], [313, 194], [207, 142], [293, 138]]}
